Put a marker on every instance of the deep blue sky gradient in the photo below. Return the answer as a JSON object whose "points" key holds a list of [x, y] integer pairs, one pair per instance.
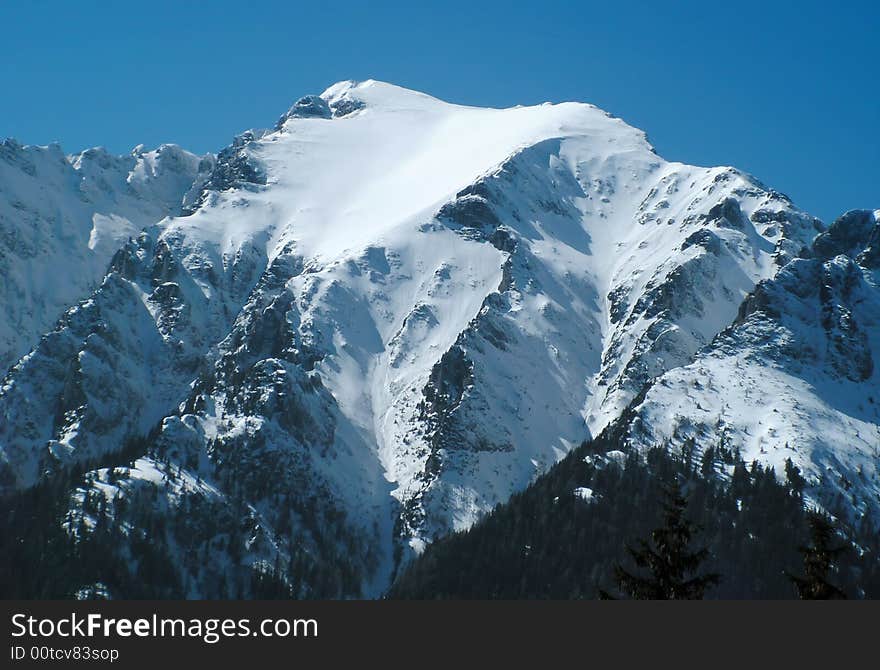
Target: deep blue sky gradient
{"points": [[787, 91]]}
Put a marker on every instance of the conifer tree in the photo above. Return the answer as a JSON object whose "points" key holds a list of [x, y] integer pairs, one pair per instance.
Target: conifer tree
{"points": [[707, 466], [793, 477], [671, 564], [819, 559]]}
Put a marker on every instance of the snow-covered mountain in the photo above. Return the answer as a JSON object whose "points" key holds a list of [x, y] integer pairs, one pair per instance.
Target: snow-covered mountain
{"points": [[795, 375], [63, 217], [371, 324]]}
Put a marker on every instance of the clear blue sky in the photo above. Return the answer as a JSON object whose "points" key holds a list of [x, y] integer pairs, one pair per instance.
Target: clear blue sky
{"points": [[789, 91]]}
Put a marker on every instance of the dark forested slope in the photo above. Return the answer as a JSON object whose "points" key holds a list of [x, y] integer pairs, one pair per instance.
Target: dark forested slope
{"points": [[564, 535]]}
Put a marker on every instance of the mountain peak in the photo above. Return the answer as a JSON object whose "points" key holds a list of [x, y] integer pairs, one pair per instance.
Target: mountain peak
{"points": [[377, 93], [348, 96]]}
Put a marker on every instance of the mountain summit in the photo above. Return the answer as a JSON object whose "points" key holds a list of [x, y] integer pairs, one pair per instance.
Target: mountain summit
{"points": [[366, 327]]}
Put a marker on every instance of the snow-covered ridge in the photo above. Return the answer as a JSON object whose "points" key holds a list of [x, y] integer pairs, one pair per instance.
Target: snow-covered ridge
{"points": [[795, 377], [63, 217], [348, 180], [389, 313]]}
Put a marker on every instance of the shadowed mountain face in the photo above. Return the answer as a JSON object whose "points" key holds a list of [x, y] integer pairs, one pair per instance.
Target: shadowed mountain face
{"points": [[365, 328]]}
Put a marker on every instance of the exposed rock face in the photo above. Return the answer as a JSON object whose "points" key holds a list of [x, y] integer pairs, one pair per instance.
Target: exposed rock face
{"points": [[236, 167], [308, 107]]}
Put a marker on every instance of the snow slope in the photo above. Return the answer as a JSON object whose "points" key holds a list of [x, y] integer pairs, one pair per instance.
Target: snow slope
{"points": [[386, 315], [795, 377], [63, 217]]}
